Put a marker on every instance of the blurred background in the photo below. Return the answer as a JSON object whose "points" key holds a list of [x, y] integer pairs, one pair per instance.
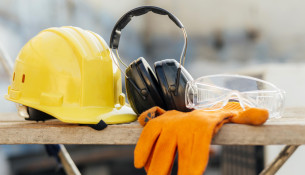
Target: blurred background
{"points": [[265, 39]]}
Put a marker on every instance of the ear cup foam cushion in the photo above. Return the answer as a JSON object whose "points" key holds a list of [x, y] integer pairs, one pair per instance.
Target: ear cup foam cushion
{"points": [[166, 71], [164, 85], [134, 98], [151, 82], [143, 77]]}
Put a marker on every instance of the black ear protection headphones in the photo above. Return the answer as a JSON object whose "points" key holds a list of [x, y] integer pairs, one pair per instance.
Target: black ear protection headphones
{"points": [[164, 88]]}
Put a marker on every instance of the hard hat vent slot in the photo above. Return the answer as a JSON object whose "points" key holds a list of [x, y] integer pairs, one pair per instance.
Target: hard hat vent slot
{"points": [[14, 76], [23, 78]]}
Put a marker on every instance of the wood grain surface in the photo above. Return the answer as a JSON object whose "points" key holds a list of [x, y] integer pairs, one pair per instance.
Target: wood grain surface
{"points": [[288, 130]]}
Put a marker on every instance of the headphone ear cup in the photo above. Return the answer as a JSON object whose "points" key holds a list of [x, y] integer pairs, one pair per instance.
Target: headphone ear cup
{"points": [[166, 71], [143, 77], [132, 94]]}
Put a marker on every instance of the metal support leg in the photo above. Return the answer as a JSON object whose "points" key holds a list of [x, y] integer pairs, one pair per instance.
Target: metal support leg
{"points": [[280, 160], [68, 164]]}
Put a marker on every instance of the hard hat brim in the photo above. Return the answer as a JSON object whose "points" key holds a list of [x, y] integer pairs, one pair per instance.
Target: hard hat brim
{"points": [[84, 115]]}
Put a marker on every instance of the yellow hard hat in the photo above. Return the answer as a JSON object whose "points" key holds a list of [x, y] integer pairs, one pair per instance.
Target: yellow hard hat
{"points": [[69, 73]]}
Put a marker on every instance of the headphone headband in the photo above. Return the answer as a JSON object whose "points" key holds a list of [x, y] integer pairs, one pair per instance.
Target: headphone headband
{"points": [[124, 20]]}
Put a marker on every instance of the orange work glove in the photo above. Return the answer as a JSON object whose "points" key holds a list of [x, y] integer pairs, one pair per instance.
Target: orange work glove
{"points": [[191, 133]]}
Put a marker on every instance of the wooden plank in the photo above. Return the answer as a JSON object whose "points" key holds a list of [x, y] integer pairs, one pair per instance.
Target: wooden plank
{"points": [[287, 130]]}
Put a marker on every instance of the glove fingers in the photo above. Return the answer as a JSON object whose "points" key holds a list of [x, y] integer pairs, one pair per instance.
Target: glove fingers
{"points": [[163, 155], [149, 162], [194, 159], [199, 155], [147, 165], [185, 147], [200, 152], [251, 116], [145, 144]]}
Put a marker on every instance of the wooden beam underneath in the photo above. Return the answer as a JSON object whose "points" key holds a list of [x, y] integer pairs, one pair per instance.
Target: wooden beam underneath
{"points": [[288, 130]]}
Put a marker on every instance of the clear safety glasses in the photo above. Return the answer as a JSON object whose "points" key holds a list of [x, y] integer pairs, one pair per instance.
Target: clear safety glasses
{"points": [[215, 91]]}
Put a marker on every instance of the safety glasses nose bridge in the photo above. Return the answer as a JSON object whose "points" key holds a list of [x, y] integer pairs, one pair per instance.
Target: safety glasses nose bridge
{"points": [[237, 96]]}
